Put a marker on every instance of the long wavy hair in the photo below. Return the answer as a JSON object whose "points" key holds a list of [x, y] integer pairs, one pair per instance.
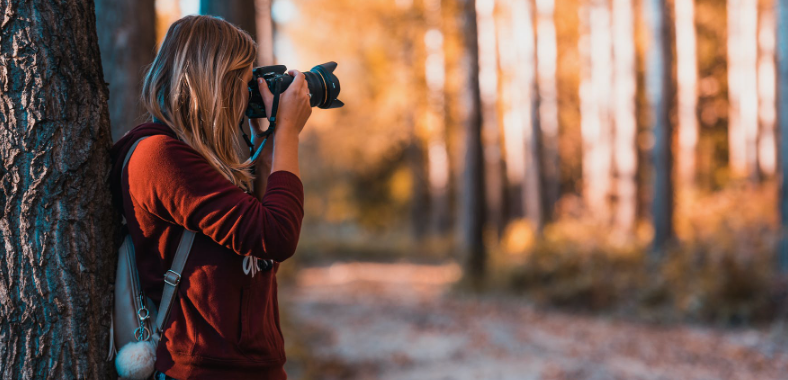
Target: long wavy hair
{"points": [[194, 86]]}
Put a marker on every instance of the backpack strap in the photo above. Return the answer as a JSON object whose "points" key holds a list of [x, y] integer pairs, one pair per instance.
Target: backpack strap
{"points": [[173, 276]]}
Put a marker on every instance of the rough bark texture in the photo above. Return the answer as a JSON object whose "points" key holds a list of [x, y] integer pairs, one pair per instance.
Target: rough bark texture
{"points": [[472, 198], [58, 228], [238, 12], [127, 37], [781, 13], [658, 89]]}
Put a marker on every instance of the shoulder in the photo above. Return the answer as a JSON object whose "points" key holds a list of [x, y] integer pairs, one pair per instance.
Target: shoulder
{"points": [[163, 158]]}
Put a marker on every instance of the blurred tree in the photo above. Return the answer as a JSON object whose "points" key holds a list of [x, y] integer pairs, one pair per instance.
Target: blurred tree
{"points": [[491, 137], [127, 45], [265, 32], [658, 90], [239, 12], [687, 69], [781, 53], [595, 46], [518, 103], [742, 87], [767, 145], [625, 124], [59, 230], [435, 117], [546, 64], [472, 198]]}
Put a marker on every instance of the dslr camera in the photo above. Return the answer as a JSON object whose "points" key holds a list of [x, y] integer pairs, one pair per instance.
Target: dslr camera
{"points": [[323, 87]]}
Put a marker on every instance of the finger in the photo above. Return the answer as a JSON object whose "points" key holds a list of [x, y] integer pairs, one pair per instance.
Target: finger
{"points": [[268, 97], [298, 78]]}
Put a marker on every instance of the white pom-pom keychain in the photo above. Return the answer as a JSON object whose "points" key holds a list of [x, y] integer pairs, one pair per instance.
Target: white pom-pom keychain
{"points": [[135, 360]]}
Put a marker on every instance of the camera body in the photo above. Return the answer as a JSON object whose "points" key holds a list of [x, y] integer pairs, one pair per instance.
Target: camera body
{"points": [[323, 87]]}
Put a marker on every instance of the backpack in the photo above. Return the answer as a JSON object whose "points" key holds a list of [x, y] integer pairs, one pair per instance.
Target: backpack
{"points": [[131, 324]]}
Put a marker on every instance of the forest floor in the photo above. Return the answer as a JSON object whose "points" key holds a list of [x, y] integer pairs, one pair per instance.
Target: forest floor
{"points": [[403, 321]]}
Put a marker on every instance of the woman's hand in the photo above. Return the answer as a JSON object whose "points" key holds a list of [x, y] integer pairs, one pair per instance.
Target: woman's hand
{"points": [[294, 108]]}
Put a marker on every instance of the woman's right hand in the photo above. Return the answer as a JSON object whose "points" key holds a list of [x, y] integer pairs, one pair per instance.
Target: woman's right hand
{"points": [[294, 108]]}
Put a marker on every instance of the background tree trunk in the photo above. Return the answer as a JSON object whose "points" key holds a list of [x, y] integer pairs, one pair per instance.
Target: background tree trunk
{"points": [[767, 145], [59, 230], [546, 64], [238, 12], [472, 198], [687, 69], [625, 124], [488, 84], [595, 106], [781, 13], [658, 90], [742, 87], [265, 32], [127, 44]]}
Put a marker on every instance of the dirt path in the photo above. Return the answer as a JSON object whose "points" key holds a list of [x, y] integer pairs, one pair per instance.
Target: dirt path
{"points": [[396, 321]]}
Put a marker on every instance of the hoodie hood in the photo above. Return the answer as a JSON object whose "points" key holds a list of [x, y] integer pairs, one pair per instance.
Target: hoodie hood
{"points": [[121, 148]]}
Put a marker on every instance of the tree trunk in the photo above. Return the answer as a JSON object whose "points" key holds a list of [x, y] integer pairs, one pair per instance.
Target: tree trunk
{"points": [[59, 230], [488, 83], [767, 145], [687, 68], [127, 45], [625, 125], [658, 90], [781, 53], [742, 87], [265, 32], [238, 12], [546, 57], [472, 198], [595, 107]]}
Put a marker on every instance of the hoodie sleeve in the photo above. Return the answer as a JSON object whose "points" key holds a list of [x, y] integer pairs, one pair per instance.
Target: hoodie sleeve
{"points": [[169, 179]]}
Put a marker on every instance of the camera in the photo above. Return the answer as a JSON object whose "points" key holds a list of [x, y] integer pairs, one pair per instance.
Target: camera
{"points": [[323, 87]]}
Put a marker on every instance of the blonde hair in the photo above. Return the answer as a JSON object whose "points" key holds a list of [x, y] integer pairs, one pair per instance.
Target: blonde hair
{"points": [[192, 86]]}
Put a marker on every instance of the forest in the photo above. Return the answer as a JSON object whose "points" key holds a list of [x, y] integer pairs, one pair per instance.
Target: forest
{"points": [[514, 189]]}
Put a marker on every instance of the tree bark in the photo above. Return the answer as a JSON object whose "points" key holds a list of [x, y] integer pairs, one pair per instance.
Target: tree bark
{"points": [[127, 44], [472, 197], [658, 90], [59, 230], [781, 53]]}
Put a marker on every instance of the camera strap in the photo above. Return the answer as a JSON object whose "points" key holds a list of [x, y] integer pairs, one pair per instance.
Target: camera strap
{"points": [[272, 124]]}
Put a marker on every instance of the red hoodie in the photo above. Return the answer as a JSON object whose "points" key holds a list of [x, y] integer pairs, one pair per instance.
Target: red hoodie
{"points": [[224, 323]]}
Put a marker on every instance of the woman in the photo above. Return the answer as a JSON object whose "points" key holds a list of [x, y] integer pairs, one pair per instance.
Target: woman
{"points": [[192, 173]]}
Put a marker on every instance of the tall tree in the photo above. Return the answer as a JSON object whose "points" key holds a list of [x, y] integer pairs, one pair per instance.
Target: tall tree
{"points": [[767, 145], [658, 90], [488, 83], [239, 12], [265, 32], [127, 45], [546, 64], [625, 125], [472, 198], [58, 227], [781, 53], [437, 153], [742, 87], [595, 106], [687, 69]]}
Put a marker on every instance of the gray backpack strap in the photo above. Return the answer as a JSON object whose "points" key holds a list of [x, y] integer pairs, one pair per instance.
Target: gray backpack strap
{"points": [[173, 276]]}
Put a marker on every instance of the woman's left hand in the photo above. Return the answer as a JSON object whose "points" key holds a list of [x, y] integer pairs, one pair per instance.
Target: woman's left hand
{"points": [[266, 156]]}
